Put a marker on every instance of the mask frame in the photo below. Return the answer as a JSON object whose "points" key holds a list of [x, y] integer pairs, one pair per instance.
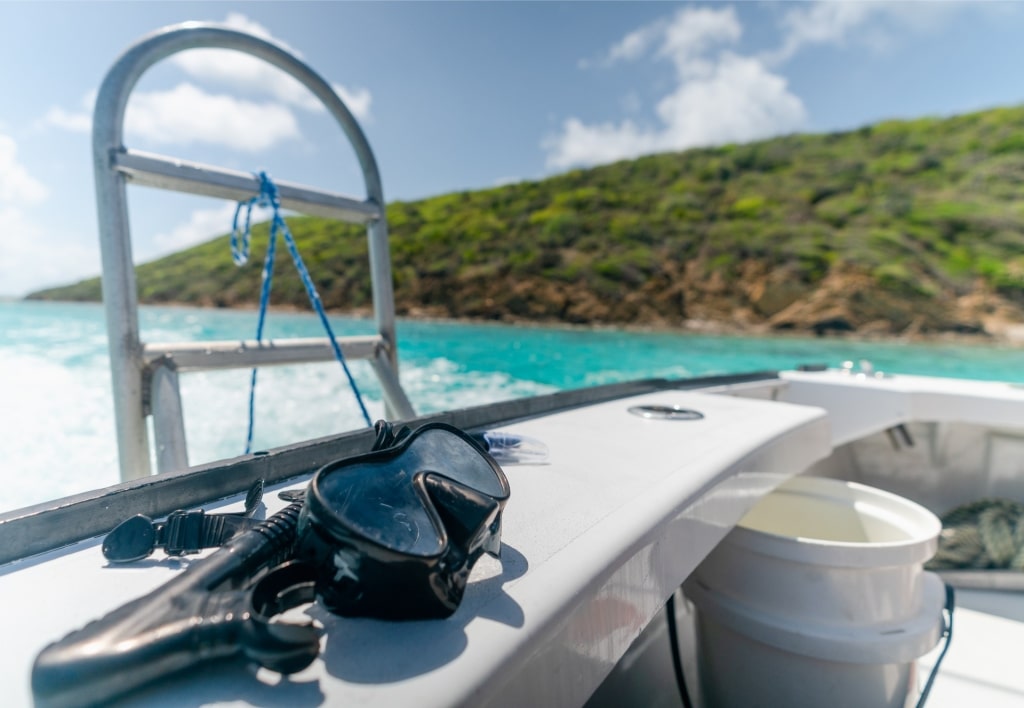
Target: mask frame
{"points": [[394, 533]]}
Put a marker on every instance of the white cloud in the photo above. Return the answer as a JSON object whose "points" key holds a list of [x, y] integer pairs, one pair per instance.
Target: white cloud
{"points": [[238, 21], [581, 144], [358, 100], [636, 43], [30, 257], [79, 121], [16, 184], [718, 97], [683, 38], [203, 224], [737, 100], [694, 33], [29, 260], [821, 23], [244, 72], [187, 114], [878, 26], [72, 122]]}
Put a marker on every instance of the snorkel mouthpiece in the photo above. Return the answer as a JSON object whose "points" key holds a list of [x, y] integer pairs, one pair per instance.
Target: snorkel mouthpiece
{"points": [[394, 533]]}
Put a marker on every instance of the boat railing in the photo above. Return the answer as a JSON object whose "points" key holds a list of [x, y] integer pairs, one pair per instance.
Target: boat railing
{"points": [[144, 374]]}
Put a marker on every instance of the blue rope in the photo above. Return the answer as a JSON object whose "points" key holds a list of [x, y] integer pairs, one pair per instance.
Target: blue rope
{"points": [[240, 243]]}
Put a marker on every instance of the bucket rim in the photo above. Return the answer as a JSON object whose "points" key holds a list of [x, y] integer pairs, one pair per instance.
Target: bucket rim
{"points": [[918, 547], [905, 640]]}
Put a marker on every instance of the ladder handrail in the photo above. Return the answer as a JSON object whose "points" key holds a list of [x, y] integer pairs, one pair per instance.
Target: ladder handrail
{"points": [[151, 170], [114, 166], [210, 355]]}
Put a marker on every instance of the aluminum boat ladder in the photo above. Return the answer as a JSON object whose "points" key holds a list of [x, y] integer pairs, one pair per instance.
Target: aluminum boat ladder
{"points": [[145, 374]]}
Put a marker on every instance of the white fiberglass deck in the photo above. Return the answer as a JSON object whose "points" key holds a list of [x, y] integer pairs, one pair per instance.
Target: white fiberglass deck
{"points": [[983, 665], [860, 405], [595, 541]]}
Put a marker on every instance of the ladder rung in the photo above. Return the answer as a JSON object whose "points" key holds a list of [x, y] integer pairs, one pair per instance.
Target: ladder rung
{"points": [[203, 356], [176, 175]]}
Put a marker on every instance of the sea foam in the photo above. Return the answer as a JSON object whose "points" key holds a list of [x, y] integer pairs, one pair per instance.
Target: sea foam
{"points": [[56, 417]]}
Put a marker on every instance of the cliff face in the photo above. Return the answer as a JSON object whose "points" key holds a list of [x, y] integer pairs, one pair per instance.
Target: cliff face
{"points": [[899, 228], [762, 301]]}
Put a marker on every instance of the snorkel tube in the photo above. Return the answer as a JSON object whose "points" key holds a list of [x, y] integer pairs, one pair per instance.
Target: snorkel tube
{"points": [[206, 612]]}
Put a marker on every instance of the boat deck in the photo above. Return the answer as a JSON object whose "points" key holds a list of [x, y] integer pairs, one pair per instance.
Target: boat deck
{"points": [[594, 543], [982, 667]]}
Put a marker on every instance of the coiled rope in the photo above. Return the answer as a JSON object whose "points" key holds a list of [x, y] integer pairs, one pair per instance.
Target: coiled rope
{"points": [[987, 533], [240, 243]]}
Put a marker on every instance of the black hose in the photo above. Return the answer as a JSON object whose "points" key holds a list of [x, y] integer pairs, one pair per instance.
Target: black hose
{"points": [[677, 661], [948, 633]]}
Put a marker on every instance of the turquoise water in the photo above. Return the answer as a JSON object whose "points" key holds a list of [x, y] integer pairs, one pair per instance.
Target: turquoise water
{"points": [[57, 420]]}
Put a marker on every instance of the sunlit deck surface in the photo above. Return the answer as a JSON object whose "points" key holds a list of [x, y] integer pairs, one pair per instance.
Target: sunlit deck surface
{"points": [[982, 667]]}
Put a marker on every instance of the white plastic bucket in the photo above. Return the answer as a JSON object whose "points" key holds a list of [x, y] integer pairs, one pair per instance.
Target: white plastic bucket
{"points": [[818, 598]]}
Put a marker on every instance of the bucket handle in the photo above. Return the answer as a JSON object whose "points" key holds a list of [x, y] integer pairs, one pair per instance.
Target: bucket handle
{"points": [[947, 633]]}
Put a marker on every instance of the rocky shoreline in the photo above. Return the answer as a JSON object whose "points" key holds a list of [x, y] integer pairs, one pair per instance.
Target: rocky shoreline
{"points": [[760, 302], [1003, 332], [845, 306]]}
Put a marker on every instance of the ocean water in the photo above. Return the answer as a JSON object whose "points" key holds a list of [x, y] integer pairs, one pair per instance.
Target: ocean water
{"points": [[56, 415]]}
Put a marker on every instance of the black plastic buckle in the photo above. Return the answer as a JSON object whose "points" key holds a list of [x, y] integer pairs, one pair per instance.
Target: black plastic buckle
{"points": [[187, 532], [184, 532]]}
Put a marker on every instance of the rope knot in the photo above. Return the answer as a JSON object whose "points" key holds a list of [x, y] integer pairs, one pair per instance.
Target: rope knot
{"points": [[268, 196]]}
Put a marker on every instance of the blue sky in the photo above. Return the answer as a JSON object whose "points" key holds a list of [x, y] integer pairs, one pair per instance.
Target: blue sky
{"points": [[456, 96]]}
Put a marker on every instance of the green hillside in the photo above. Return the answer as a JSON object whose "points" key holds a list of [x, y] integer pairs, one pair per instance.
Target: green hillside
{"points": [[903, 226]]}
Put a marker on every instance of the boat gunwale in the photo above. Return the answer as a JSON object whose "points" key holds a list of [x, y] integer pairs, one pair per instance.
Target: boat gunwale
{"points": [[51, 525]]}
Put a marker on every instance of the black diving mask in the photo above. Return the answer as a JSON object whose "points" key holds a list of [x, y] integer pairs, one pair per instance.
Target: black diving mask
{"points": [[394, 533]]}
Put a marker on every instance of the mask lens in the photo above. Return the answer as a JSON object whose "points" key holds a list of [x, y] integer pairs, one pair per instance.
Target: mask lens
{"points": [[382, 500], [437, 450], [379, 501]]}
